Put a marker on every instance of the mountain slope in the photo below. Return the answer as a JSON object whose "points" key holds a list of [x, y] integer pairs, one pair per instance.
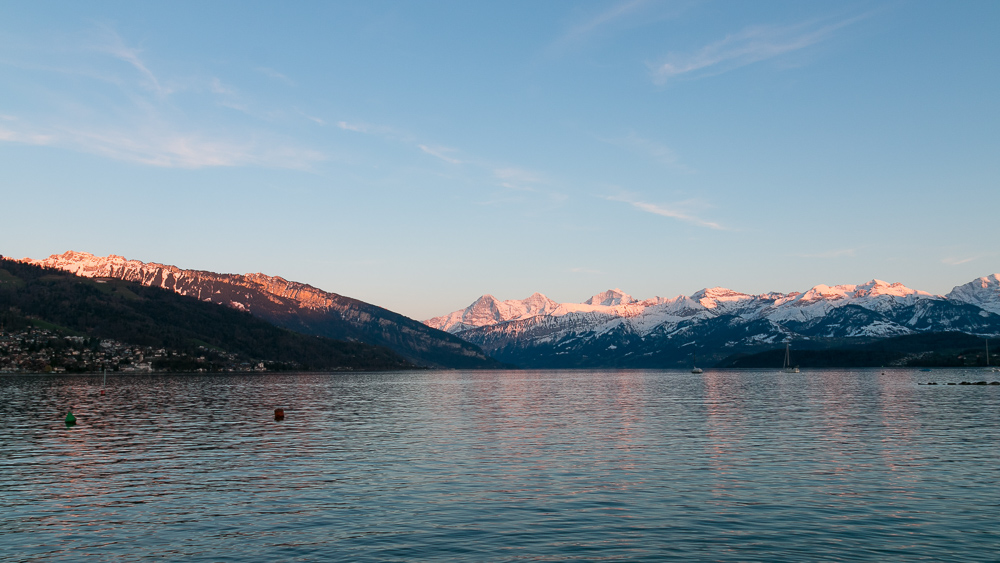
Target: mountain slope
{"points": [[292, 305], [147, 316]]}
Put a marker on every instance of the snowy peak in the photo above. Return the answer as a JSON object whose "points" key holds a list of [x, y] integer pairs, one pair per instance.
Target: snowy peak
{"points": [[488, 310], [876, 288], [711, 298], [982, 292], [610, 298], [611, 329], [863, 292], [539, 304], [824, 292], [614, 307]]}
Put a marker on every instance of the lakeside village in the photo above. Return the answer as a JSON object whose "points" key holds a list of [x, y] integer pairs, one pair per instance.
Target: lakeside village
{"points": [[37, 350]]}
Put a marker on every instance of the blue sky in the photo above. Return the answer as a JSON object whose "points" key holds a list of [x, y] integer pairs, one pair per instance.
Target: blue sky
{"points": [[416, 155]]}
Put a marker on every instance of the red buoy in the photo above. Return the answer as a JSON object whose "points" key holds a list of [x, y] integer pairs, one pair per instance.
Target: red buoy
{"points": [[279, 414]]}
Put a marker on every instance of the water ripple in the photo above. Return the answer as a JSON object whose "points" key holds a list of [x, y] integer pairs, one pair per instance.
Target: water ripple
{"points": [[501, 466]]}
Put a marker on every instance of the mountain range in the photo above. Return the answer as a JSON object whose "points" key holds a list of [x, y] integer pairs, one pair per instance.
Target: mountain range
{"points": [[295, 306], [613, 329], [718, 326]]}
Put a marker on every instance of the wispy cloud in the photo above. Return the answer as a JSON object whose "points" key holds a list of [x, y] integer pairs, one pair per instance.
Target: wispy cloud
{"points": [[841, 253], [383, 131], [27, 138], [615, 19], [583, 29], [393, 134], [517, 178], [169, 149], [310, 117], [675, 211], [655, 150], [115, 46], [512, 178], [271, 73], [356, 127], [952, 261], [751, 45], [440, 152], [216, 86], [141, 121], [227, 96]]}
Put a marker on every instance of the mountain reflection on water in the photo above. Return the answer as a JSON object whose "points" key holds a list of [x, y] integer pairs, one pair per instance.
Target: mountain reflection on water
{"points": [[502, 466]]}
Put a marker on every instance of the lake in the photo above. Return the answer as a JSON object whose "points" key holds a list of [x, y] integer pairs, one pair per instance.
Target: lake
{"points": [[839, 465]]}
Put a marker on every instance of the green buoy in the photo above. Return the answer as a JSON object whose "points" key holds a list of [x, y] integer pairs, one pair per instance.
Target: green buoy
{"points": [[70, 419]]}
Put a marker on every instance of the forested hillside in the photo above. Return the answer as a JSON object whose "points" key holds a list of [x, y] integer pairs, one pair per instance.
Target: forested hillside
{"points": [[147, 316]]}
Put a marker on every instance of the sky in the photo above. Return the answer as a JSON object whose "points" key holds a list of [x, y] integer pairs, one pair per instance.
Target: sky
{"points": [[417, 155]]}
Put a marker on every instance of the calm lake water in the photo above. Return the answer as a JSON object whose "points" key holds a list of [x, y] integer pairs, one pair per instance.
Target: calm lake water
{"points": [[837, 465]]}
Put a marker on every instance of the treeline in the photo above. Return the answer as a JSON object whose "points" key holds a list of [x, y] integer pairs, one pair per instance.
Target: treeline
{"points": [[936, 349], [148, 316]]}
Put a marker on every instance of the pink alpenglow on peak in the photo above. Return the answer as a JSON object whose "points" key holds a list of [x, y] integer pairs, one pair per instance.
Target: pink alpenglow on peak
{"points": [[610, 298], [878, 287], [197, 283], [711, 298], [983, 292], [873, 288], [87, 265], [292, 305], [646, 315], [875, 291], [487, 310]]}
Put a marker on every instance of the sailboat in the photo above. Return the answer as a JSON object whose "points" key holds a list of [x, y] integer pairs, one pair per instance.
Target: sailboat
{"points": [[694, 363], [787, 368]]}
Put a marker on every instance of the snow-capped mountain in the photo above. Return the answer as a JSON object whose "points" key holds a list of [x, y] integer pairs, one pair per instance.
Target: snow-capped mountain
{"points": [[614, 329], [487, 310], [292, 305], [609, 329], [646, 315], [983, 293]]}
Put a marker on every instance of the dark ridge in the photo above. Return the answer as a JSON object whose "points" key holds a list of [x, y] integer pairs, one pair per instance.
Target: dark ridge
{"points": [[340, 317], [936, 349], [149, 316]]}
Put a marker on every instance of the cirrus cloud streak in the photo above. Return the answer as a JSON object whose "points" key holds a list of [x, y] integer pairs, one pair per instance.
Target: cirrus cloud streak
{"points": [[673, 212], [750, 45]]}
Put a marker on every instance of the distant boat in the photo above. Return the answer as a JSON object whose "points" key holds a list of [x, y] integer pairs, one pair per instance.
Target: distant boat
{"points": [[788, 368], [694, 363]]}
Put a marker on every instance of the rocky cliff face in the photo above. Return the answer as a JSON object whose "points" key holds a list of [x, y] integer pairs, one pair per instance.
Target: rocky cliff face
{"points": [[292, 305]]}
